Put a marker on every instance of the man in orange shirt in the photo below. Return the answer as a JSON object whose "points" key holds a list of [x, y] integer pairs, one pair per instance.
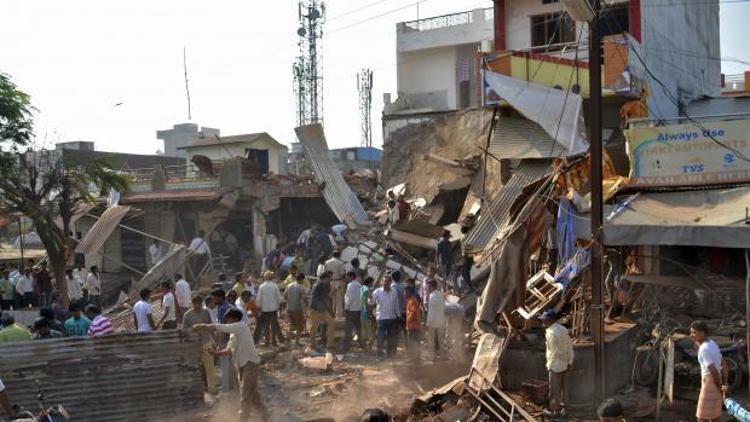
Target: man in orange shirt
{"points": [[413, 321]]}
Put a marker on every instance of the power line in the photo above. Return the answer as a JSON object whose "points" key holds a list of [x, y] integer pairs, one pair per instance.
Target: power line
{"points": [[366, 6], [341, 28]]}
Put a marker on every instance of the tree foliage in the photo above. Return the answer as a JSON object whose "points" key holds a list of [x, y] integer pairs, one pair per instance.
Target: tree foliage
{"points": [[41, 185]]}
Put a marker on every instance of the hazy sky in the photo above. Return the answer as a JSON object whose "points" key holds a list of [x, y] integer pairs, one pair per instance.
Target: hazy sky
{"points": [[79, 58]]}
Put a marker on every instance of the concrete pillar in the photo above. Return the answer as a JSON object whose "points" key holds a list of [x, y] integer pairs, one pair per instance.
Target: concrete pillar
{"points": [[259, 231]]}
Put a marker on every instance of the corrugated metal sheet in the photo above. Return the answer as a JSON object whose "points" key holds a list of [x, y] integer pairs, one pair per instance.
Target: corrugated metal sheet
{"points": [[517, 138], [122, 315], [172, 263], [119, 377], [94, 239], [337, 193], [79, 210], [496, 214]]}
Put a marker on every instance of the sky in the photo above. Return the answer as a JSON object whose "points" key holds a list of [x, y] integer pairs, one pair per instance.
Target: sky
{"points": [[79, 59]]}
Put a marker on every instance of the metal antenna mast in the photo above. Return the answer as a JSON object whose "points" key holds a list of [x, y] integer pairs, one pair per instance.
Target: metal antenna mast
{"points": [[364, 88], [307, 68], [187, 87]]}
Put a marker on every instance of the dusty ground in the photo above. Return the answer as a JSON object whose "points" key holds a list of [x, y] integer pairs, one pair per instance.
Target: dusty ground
{"points": [[355, 382]]}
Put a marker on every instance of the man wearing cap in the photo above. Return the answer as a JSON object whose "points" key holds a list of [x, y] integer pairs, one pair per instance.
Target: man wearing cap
{"points": [[559, 359], [268, 301], [338, 285]]}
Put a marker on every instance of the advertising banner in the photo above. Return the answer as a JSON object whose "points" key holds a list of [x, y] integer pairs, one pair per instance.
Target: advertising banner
{"points": [[686, 154]]}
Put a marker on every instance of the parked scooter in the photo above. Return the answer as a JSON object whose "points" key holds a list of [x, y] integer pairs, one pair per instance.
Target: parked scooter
{"points": [[687, 372]]}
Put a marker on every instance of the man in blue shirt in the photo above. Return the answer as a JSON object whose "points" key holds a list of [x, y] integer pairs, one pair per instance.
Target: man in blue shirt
{"points": [[77, 325]]}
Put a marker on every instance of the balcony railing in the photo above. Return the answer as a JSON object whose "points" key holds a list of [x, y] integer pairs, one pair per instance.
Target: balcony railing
{"points": [[445, 21], [568, 66]]}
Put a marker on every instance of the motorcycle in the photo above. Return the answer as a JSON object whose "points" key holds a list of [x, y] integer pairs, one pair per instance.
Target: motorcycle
{"points": [[56, 413], [687, 372]]}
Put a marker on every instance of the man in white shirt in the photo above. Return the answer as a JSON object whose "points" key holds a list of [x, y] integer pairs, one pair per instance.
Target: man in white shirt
{"points": [[25, 287], [714, 374], [79, 275], [304, 237], [353, 309], [268, 301], [559, 359], [246, 360], [386, 315], [199, 248], [154, 252], [435, 316], [168, 305], [183, 295], [337, 268], [93, 286], [142, 314], [75, 294], [198, 245]]}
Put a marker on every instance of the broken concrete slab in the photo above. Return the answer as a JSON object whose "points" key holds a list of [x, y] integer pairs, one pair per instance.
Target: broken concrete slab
{"points": [[413, 239]]}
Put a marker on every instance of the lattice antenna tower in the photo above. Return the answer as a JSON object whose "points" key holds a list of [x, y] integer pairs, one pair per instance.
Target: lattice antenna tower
{"points": [[307, 68], [364, 88]]}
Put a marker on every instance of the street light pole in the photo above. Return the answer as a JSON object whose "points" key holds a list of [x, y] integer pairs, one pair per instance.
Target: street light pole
{"points": [[595, 137]]}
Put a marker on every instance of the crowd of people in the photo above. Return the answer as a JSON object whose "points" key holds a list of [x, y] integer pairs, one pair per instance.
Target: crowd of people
{"points": [[32, 286]]}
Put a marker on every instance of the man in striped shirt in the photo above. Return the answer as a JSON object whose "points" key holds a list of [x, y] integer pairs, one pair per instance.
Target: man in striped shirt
{"points": [[100, 325]]}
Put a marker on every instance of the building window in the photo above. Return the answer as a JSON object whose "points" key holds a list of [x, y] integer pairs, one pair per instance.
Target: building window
{"points": [[351, 155], [552, 28], [615, 20]]}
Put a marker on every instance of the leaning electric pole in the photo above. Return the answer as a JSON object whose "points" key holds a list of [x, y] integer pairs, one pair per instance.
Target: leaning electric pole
{"points": [[307, 68], [364, 88], [597, 251]]}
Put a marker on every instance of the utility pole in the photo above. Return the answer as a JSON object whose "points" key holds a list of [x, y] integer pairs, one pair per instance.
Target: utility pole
{"points": [[595, 137]]}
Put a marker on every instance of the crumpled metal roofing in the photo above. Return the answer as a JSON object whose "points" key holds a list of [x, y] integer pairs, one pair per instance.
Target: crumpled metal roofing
{"points": [[173, 262], [117, 377], [343, 202], [516, 138], [496, 214], [95, 238]]}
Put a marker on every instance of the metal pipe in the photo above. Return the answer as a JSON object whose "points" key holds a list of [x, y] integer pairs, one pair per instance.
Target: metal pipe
{"points": [[595, 137], [747, 307], [486, 153], [137, 231]]}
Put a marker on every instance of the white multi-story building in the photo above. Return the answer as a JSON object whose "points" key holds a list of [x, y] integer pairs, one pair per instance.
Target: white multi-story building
{"points": [[671, 49]]}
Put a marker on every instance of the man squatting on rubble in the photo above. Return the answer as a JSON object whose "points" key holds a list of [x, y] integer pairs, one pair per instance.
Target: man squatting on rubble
{"points": [[245, 358], [559, 356]]}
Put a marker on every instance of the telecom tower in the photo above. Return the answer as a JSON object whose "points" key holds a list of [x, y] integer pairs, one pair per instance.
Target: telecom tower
{"points": [[364, 87], [307, 68]]}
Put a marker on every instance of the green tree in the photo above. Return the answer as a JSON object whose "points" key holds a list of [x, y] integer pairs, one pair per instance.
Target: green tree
{"points": [[39, 185]]}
